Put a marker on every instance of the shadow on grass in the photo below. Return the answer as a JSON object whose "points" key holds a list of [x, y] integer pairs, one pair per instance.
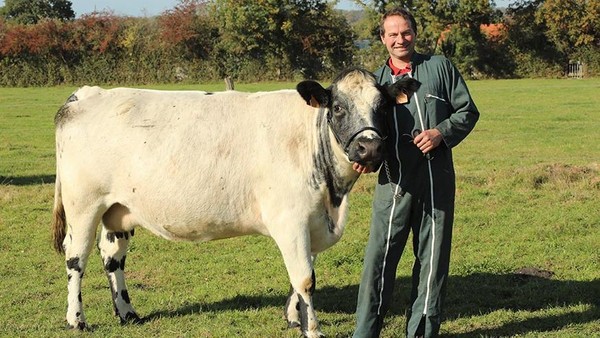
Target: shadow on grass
{"points": [[467, 296], [27, 180], [480, 294]]}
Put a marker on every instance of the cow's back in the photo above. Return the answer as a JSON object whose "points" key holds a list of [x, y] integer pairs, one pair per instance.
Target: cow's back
{"points": [[203, 157]]}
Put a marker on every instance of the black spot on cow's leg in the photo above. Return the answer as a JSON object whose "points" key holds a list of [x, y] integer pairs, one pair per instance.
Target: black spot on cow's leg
{"points": [[110, 236], [303, 309], [311, 291], [81, 326], [73, 264], [111, 265], [125, 296]]}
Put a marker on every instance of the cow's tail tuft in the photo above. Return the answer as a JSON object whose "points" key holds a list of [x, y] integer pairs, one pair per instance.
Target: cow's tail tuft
{"points": [[59, 220]]}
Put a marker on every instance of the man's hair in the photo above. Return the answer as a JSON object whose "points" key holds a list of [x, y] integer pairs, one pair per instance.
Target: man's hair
{"points": [[400, 12]]}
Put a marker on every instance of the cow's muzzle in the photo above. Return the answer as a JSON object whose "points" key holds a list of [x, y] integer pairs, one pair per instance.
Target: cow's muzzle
{"points": [[362, 147], [367, 151]]}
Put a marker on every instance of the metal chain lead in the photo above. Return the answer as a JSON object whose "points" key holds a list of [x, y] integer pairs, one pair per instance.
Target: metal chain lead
{"points": [[400, 193]]}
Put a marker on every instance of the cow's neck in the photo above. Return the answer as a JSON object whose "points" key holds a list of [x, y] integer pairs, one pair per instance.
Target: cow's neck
{"points": [[332, 171]]}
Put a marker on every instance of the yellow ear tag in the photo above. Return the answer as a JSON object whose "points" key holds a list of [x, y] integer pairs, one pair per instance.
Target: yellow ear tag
{"points": [[402, 98]]}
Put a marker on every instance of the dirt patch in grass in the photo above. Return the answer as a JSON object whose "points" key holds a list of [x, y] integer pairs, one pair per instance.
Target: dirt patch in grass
{"points": [[533, 272], [560, 175], [142, 280]]}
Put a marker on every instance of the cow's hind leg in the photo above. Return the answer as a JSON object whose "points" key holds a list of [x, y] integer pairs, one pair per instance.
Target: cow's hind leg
{"points": [[79, 239], [113, 248]]}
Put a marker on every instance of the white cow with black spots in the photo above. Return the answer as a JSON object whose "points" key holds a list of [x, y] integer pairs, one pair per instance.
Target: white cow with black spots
{"points": [[204, 166]]}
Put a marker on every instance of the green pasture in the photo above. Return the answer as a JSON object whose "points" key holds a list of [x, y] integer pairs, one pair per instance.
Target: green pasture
{"points": [[528, 200]]}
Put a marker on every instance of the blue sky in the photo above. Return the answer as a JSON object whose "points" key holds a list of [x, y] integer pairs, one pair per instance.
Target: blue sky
{"points": [[154, 7]]}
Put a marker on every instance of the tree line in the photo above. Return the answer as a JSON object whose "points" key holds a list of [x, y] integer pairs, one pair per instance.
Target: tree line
{"points": [[42, 43]]}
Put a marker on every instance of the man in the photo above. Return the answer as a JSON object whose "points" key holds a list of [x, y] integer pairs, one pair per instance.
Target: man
{"points": [[416, 184]]}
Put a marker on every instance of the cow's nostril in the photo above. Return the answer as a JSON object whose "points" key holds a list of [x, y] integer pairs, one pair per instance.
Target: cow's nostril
{"points": [[362, 150]]}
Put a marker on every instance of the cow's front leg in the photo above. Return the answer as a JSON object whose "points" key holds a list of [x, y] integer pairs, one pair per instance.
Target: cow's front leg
{"points": [[292, 305], [299, 308], [113, 248], [292, 309]]}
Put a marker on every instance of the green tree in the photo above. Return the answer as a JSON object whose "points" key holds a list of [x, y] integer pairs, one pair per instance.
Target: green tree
{"points": [[464, 44], [32, 11], [287, 37], [532, 53], [451, 27], [319, 40]]}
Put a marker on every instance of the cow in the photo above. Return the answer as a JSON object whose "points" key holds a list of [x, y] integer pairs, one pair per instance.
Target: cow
{"points": [[190, 165]]}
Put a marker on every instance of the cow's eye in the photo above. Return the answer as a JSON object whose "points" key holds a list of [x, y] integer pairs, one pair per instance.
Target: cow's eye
{"points": [[338, 110]]}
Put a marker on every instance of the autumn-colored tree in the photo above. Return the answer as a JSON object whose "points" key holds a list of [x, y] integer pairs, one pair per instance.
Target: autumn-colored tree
{"points": [[571, 23], [188, 29]]}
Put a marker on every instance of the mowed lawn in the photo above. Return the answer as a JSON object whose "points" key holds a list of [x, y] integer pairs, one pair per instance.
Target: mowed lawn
{"points": [[526, 253]]}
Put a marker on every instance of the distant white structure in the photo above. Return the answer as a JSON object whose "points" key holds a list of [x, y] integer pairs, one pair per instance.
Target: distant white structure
{"points": [[575, 70]]}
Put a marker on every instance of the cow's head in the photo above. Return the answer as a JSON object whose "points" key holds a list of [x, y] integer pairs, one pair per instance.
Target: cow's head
{"points": [[355, 106]]}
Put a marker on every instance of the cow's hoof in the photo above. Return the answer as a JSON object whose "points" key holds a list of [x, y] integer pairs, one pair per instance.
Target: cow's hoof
{"points": [[81, 326], [313, 334], [293, 324], [131, 318]]}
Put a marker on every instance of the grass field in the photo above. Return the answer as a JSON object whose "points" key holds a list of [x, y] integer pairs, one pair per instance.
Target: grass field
{"points": [[528, 196]]}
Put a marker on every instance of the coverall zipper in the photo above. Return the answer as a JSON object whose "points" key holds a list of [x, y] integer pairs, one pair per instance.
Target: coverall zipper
{"points": [[423, 127]]}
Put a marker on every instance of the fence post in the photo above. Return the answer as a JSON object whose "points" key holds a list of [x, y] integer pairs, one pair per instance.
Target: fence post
{"points": [[228, 83]]}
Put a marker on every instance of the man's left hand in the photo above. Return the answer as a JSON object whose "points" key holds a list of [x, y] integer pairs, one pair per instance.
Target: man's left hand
{"points": [[361, 168], [428, 140]]}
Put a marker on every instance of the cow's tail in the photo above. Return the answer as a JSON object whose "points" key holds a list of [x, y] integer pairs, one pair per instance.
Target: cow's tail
{"points": [[59, 220]]}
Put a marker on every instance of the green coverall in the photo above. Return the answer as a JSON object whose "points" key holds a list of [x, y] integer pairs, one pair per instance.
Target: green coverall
{"points": [[423, 201]]}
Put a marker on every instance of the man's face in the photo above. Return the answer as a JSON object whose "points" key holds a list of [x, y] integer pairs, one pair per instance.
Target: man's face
{"points": [[399, 38]]}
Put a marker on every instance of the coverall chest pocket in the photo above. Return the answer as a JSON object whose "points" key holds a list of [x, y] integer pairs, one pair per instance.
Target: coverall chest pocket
{"points": [[437, 107]]}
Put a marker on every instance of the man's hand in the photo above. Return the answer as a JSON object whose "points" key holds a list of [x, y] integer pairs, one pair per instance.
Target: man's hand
{"points": [[428, 140], [361, 168]]}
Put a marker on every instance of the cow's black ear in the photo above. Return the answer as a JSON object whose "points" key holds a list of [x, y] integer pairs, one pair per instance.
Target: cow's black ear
{"points": [[401, 91], [313, 93]]}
